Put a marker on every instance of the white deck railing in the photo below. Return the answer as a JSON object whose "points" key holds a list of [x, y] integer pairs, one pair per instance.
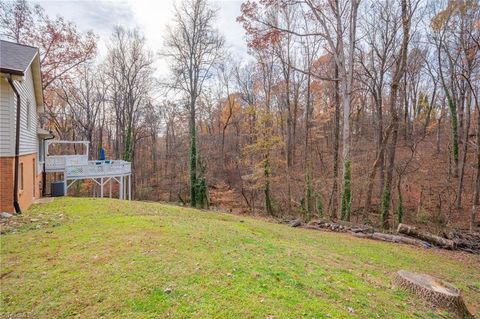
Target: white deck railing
{"points": [[99, 169], [78, 166], [57, 163]]}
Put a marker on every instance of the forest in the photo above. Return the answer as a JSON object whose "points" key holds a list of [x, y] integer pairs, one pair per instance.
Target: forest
{"points": [[357, 110]]}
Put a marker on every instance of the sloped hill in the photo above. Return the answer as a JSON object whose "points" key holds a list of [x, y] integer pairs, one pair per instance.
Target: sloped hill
{"points": [[100, 258]]}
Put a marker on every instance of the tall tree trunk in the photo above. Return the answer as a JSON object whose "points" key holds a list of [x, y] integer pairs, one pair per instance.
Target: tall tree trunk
{"points": [[405, 110], [453, 113], [268, 197], [128, 144], [461, 112], [289, 159], [400, 200], [225, 126], [222, 153], [289, 137], [476, 196], [438, 135], [347, 177], [387, 191], [193, 153], [430, 108], [454, 125], [336, 142], [306, 164], [458, 203], [154, 152], [346, 73], [380, 151], [399, 72]]}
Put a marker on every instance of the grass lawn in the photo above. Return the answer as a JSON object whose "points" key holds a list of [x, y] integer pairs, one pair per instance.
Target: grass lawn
{"points": [[101, 258]]}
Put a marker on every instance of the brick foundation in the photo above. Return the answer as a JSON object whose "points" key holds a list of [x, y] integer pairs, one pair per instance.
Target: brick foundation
{"points": [[31, 182]]}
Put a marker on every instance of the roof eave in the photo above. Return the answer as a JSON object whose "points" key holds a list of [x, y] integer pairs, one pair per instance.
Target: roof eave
{"points": [[37, 82], [12, 72], [43, 133]]}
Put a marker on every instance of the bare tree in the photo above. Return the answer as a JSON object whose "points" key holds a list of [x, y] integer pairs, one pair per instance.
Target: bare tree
{"points": [[193, 47], [338, 25], [380, 25], [407, 10], [129, 72], [85, 97]]}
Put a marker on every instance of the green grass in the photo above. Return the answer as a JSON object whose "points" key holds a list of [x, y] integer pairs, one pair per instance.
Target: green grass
{"points": [[93, 258]]}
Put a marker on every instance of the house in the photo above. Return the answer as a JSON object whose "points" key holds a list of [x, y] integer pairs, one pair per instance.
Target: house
{"points": [[21, 138], [25, 160]]}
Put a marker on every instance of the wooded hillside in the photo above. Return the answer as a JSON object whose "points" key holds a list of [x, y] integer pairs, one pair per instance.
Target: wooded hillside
{"points": [[357, 110]]}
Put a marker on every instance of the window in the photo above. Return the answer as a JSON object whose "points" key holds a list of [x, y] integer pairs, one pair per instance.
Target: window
{"points": [[20, 178]]}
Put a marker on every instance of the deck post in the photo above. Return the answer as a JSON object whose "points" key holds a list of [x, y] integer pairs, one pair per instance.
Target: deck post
{"points": [[110, 187], [65, 189], [124, 187], [129, 187], [101, 187], [120, 189]]}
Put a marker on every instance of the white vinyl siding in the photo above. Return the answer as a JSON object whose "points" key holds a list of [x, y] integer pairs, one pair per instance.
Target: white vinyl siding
{"points": [[7, 134], [28, 119]]}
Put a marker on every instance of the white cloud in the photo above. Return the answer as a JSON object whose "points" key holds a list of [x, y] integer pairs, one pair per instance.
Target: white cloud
{"points": [[151, 17]]}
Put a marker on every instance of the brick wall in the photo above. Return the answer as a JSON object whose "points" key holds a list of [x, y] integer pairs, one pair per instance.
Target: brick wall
{"points": [[6, 184], [31, 182]]}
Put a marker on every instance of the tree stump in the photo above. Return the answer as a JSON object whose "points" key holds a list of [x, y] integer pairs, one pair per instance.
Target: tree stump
{"points": [[434, 291]]}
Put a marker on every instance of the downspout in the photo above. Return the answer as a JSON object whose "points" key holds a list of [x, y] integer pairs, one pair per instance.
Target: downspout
{"points": [[44, 173], [17, 149]]}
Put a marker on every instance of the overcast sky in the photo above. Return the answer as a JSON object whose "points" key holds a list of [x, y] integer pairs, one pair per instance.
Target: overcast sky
{"points": [[150, 16]]}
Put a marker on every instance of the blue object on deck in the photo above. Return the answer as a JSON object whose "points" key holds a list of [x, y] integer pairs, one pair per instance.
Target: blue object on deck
{"points": [[101, 155]]}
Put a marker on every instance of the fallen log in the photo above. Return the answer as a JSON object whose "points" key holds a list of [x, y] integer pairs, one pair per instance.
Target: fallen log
{"points": [[466, 241], [434, 291], [339, 226], [426, 236], [393, 239], [295, 223]]}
